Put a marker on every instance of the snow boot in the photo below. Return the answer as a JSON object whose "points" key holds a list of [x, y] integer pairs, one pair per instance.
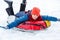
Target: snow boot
{"points": [[9, 9]]}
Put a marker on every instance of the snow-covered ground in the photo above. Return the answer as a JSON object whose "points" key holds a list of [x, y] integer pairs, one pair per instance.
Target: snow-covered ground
{"points": [[48, 7]]}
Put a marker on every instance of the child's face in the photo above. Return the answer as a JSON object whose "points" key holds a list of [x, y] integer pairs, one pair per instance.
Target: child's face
{"points": [[34, 17]]}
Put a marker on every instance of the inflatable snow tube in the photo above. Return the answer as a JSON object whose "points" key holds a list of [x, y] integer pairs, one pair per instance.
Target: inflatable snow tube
{"points": [[48, 23], [38, 25]]}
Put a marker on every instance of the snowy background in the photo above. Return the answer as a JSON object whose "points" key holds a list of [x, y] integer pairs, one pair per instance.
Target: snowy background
{"points": [[47, 7]]}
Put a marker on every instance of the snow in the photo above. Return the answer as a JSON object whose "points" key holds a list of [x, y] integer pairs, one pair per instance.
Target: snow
{"points": [[48, 7]]}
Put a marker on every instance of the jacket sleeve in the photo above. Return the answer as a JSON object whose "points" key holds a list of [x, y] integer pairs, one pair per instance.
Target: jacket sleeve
{"points": [[50, 18], [18, 21]]}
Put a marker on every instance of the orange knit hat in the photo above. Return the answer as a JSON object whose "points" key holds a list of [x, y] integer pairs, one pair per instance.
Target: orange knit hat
{"points": [[35, 11]]}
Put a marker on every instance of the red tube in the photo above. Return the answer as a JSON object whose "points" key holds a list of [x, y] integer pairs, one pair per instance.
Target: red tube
{"points": [[32, 25]]}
